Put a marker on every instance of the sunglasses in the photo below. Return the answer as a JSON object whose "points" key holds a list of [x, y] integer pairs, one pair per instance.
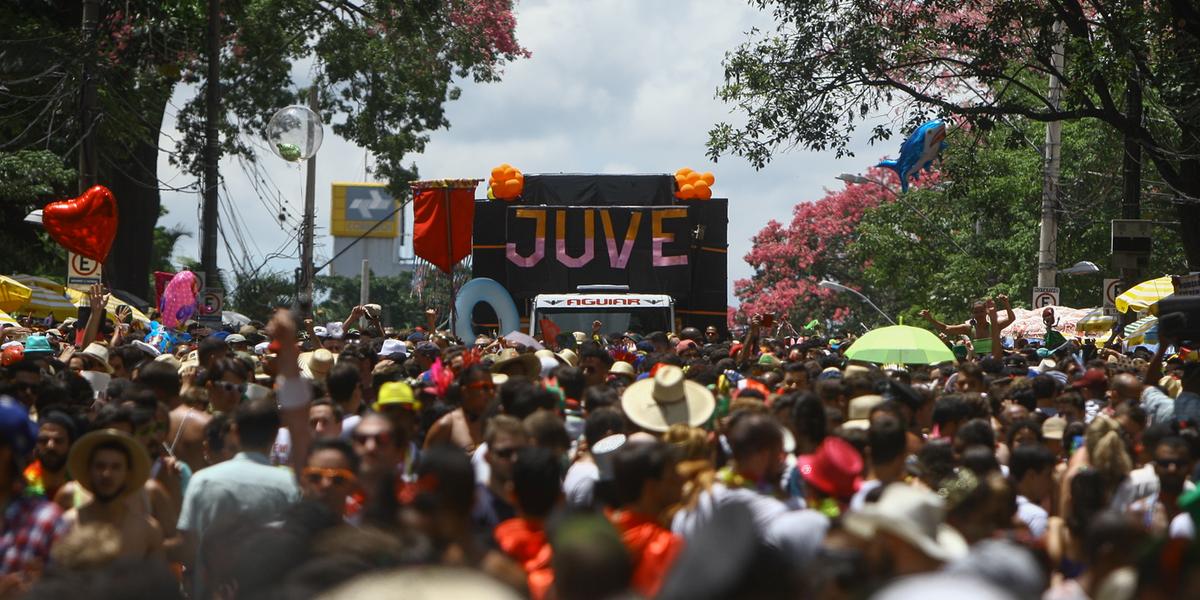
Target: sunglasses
{"points": [[482, 385], [1167, 463], [315, 475], [229, 386], [381, 439]]}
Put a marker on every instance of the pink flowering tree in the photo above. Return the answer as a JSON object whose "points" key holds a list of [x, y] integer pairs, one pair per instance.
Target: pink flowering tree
{"points": [[790, 260]]}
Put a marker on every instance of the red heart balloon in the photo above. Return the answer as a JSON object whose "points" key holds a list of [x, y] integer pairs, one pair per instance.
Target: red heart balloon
{"points": [[85, 225]]}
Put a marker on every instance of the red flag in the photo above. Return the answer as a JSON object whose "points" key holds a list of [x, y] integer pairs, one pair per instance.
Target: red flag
{"points": [[550, 331], [161, 280], [439, 212]]}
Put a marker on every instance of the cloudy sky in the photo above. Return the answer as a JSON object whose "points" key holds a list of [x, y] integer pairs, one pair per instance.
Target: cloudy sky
{"points": [[614, 86]]}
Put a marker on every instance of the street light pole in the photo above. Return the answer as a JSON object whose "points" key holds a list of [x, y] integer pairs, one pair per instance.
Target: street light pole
{"points": [[837, 287]]}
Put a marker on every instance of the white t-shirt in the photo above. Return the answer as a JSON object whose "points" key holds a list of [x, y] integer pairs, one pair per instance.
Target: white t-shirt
{"points": [[1034, 516], [580, 484]]}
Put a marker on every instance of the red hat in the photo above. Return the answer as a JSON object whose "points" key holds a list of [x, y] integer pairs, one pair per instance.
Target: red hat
{"points": [[1093, 378], [835, 469], [685, 345], [12, 355]]}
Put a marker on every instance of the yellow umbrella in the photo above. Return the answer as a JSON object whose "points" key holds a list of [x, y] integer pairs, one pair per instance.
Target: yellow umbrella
{"points": [[42, 282], [13, 293], [1145, 294], [81, 299], [1096, 322], [7, 318], [43, 302]]}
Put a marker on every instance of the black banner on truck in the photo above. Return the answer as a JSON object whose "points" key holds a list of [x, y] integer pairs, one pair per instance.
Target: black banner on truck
{"points": [[677, 250], [551, 248]]}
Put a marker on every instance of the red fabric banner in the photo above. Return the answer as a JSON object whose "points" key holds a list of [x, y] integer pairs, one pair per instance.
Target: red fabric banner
{"points": [[439, 213]]}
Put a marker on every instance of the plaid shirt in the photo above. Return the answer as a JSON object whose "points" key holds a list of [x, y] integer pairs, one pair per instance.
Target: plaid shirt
{"points": [[31, 526]]}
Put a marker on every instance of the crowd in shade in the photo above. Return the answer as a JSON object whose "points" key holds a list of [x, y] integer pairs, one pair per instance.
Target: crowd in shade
{"points": [[284, 459]]}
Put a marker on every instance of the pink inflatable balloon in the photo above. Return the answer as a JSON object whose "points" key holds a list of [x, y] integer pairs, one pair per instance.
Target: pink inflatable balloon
{"points": [[178, 301]]}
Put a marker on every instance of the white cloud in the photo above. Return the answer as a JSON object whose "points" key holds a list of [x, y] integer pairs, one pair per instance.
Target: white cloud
{"points": [[613, 86]]}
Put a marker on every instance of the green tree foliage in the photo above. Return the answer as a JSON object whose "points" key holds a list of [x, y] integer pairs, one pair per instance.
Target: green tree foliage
{"points": [[976, 233], [393, 294], [256, 297], [385, 69], [827, 66], [28, 180]]}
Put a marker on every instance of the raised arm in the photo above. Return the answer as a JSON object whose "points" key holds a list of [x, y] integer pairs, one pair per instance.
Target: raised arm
{"points": [[950, 330], [97, 300], [292, 392], [997, 348], [1009, 315]]}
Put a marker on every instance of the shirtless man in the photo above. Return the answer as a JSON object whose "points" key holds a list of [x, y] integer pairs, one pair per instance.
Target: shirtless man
{"points": [[463, 427], [112, 466], [186, 434], [981, 328]]}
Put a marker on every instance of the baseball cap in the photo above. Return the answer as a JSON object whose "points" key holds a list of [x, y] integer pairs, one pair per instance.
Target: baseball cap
{"points": [[37, 345], [235, 338], [395, 393], [416, 336], [428, 349], [685, 345], [393, 347], [1053, 428], [320, 331], [1093, 378]]}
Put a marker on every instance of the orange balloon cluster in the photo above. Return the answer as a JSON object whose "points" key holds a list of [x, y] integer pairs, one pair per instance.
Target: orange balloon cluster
{"points": [[506, 183], [693, 185]]}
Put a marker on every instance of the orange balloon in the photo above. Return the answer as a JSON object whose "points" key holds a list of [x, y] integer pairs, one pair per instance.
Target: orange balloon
{"points": [[700, 185], [520, 177], [708, 178], [497, 172], [693, 177], [704, 193], [514, 185], [684, 171], [680, 180], [505, 166], [508, 173], [686, 190]]}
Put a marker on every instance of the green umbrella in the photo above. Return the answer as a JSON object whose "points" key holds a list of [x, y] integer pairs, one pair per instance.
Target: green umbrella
{"points": [[900, 344]]}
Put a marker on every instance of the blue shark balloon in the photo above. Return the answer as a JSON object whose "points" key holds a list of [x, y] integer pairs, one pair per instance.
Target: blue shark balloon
{"points": [[917, 152]]}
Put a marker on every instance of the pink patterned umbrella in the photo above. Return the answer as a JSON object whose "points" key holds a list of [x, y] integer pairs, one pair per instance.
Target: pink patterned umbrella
{"points": [[1028, 323]]}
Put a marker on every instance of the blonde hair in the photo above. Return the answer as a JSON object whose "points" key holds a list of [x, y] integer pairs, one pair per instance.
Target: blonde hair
{"points": [[692, 442], [1106, 449]]}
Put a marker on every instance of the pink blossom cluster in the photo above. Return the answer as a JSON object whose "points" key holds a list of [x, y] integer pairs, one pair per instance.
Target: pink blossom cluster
{"points": [[791, 261], [490, 26]]}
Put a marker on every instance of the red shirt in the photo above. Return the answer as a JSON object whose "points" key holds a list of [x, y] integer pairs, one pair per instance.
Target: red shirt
{"points": [[652, 547], [525, 541]]}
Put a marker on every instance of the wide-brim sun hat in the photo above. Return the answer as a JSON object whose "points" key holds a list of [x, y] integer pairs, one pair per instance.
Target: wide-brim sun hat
{"points": [[513, 363], [656, 403], [81, 453], [914, 515]]}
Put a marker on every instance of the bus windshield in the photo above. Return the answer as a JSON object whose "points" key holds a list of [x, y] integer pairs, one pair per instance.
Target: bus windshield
{"points": [[613, 320]]}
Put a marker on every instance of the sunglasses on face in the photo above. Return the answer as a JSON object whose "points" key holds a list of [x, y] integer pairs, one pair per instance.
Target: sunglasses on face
{"points": [[230, 386], [1167, 463], [486, 386], [315, 475], [381, 438]]}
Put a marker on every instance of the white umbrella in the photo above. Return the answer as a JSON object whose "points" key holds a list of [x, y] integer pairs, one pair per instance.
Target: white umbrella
{"points": [[230, 318], [523, 339]]}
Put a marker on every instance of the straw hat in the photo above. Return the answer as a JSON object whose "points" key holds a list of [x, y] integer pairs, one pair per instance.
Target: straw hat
{"points": [[316, 364], [621, 367], [81, 454], [914, 515], [98, 353], [657, 403], [512, 363], [570, 357], [860, 411]]}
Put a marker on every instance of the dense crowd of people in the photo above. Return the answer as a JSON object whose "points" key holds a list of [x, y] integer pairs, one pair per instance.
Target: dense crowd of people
{"points": [[288, 460]]}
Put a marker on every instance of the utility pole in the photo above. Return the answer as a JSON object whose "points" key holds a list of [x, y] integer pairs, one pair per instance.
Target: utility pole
{"points": [[306, 238], [212, 148], [1048, 237], [1131, 164], [87, 100]]}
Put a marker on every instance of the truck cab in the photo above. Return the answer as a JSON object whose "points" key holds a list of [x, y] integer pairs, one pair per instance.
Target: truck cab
{"points": [[618, 310]]}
